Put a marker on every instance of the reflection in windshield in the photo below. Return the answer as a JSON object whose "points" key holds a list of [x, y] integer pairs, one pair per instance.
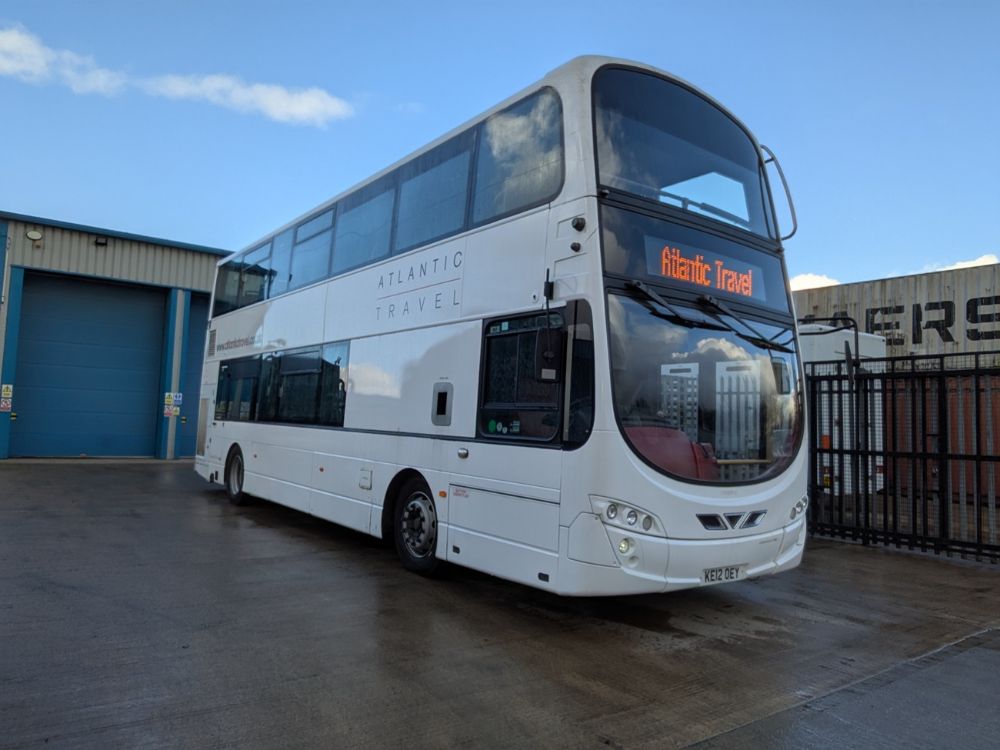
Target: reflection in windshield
{"points": [[700, 403]]}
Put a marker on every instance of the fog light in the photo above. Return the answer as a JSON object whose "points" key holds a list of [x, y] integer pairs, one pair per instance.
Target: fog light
{"points": [[612, 511], [631, 517], [624, 546], [647, 523]]}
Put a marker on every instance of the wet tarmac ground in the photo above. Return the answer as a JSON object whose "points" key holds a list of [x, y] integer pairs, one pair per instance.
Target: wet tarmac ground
{"points": [[139, 609]]}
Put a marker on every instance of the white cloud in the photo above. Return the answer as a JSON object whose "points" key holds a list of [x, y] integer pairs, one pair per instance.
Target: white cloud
{"points": [[811, 281], [84, 76], [982, 260], [24, 57], [312, 106]]}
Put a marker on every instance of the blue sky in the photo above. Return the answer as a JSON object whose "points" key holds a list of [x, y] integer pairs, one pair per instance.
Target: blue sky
{"points": [[216, 122]]}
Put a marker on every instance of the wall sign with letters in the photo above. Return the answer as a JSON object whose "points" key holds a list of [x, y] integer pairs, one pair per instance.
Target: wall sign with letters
{"points": [[935, 326]]}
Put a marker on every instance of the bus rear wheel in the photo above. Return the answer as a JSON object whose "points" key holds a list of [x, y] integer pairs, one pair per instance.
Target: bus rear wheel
{"points": [[234, 477], [415, 527]]}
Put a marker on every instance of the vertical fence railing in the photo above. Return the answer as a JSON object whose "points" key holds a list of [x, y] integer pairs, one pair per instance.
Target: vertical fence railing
{"points": [[904, 452]]}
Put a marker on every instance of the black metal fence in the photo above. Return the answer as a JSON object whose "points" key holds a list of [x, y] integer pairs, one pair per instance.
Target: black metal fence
{"points": [[906, 452]]}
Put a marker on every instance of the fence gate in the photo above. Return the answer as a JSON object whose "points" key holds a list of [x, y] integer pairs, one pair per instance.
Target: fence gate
{"points": [[906, 451]]}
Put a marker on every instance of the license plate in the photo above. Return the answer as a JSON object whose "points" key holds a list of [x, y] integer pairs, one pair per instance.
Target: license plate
{"points": [[723, 574]]}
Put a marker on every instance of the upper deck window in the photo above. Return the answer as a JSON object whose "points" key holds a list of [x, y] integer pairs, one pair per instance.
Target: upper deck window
{"points": [[662, 142], [510, 162], [255, 274], [310, 260], [520, 160], [281, 260], [432, 194], [364, 225]]}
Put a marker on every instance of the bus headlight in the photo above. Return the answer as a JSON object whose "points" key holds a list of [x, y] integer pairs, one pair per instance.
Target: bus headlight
{"points": [[624, 546], [623, 516]]}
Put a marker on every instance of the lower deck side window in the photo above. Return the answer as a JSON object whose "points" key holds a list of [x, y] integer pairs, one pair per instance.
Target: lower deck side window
{"points": [[522, 382], [236, 395], [299, 386]]}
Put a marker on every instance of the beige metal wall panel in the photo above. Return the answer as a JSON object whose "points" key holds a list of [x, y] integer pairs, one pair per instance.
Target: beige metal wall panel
{"points": [[944, 312], [72, 251]]}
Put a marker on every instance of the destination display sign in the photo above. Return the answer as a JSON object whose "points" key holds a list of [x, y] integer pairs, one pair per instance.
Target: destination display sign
{"points": [[713, 272]]}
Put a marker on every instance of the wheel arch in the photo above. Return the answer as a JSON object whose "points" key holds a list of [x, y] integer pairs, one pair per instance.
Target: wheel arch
{"points": [[392, 498], [233, 449]]}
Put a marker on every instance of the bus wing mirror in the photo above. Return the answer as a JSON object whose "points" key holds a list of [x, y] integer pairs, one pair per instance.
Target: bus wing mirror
{"points": [[772, 159], [549, 347]]}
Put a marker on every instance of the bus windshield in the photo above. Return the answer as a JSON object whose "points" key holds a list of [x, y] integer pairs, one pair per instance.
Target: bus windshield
{"points": [[703, 351], [662, 142], [701, 394]]}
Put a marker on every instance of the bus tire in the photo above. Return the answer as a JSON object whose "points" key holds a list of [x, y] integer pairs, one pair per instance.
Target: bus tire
{"points": [[415, 527], [234, 477]]}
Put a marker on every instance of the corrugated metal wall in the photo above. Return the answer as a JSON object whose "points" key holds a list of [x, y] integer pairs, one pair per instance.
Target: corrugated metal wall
{"points": [[78, 255], [72, 251], [944, 312]]}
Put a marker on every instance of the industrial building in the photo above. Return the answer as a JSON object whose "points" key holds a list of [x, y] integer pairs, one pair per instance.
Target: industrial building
{"points": [[941, 312], [101, 340]]}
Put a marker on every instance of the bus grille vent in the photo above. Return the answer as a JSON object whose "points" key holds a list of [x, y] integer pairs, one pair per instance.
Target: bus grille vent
{"points": [[734, 519], [712, 522]]}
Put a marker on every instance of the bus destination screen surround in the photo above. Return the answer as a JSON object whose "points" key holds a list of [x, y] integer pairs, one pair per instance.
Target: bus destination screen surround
{"points": [[638, 246]]}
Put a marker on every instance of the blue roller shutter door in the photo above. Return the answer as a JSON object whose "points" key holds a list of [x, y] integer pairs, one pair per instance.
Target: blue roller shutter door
{"points": [[191, 377], [89, 364]]}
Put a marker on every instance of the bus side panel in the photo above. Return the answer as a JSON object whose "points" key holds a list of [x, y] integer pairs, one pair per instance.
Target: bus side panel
{"points": [[507, 517], [392, 378], [515, 562], [505, 265], [338, 493], [280, 474], [503, 517]]}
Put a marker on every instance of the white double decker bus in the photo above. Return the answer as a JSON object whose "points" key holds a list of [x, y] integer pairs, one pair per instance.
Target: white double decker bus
{"points": [[555, 345]]}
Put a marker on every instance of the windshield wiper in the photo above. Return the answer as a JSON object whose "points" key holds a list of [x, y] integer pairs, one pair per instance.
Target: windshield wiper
{"points": [[755, 337], [674, 312]]}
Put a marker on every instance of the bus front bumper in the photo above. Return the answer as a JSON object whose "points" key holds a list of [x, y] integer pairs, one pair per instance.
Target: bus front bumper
{"points": [[639, 564]]}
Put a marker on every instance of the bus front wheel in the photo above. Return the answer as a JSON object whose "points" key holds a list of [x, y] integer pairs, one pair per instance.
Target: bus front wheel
{"points": [[234, 477], [416, 527]]}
